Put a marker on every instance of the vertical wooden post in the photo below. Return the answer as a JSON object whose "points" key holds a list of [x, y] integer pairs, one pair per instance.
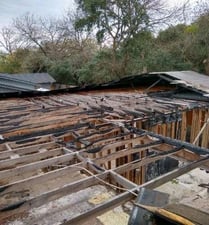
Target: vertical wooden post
{"points": [[143, 169], [173, 124], [183, 126], [195, 127], [205, 133]]}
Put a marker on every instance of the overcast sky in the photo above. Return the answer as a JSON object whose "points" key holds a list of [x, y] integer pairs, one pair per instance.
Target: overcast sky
{"points": [[10, 9]]}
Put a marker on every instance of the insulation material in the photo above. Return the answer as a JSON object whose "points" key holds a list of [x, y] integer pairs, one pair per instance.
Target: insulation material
{"points": [[100, 198], [114, 217]]}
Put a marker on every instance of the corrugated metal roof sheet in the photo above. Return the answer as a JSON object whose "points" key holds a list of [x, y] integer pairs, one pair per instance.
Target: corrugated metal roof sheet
{"points": [[12, 83], [36, 78], [189, 79]]}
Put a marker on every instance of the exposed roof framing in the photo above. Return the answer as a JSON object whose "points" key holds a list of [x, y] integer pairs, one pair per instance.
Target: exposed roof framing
{"points": [[51, 114], [28, 163], [100, 137]]}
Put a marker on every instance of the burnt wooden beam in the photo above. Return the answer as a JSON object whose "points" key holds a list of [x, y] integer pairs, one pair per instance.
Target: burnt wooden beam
{"points": [[170, 141], [117, 141]]}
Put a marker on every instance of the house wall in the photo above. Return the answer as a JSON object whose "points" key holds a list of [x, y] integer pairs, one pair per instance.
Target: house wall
{"points": [[187, 127]]}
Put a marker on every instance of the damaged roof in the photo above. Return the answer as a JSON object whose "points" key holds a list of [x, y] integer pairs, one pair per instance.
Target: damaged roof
{"points": [[191, 81], [181, 84], [58, 146], [58, 112], [188, 79]]}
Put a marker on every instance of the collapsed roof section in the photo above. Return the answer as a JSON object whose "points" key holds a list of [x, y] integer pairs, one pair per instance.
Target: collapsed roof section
{"points": [[177, 84], [181, 84], [188, 79]]}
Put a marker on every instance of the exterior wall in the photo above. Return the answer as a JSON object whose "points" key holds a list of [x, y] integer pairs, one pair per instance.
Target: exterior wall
{"points": [[187, 127]]}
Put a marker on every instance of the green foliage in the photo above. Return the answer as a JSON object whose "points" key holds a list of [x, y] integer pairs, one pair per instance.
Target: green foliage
{"points": [[191, 29], [163, 60], [127, 45], [12, 63], [97, 70], [117, 19], [35, 62], [172, 34], [63, 72]]}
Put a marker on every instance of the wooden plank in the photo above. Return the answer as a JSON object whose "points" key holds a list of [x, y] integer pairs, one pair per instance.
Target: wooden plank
{"points": [[117, 142], [164, 129], [174, 142], [129, 175], [125, 183], [126, 196], [26, 150], [137, 179], [143, 168], [184, 154], [125, 152], [98, 135], [102, 208], [11, 163], [67, 121], [194, 215], [194, 126], [173, 124], [8, 175], [31, 142], [139, 163], [168, 129], [183, 126], [46, 197], [29, 182], [205, 137]]}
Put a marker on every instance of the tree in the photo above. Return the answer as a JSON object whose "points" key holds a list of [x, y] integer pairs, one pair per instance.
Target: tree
{"points": [[13, 63], [118, 21], [9, 39]]}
